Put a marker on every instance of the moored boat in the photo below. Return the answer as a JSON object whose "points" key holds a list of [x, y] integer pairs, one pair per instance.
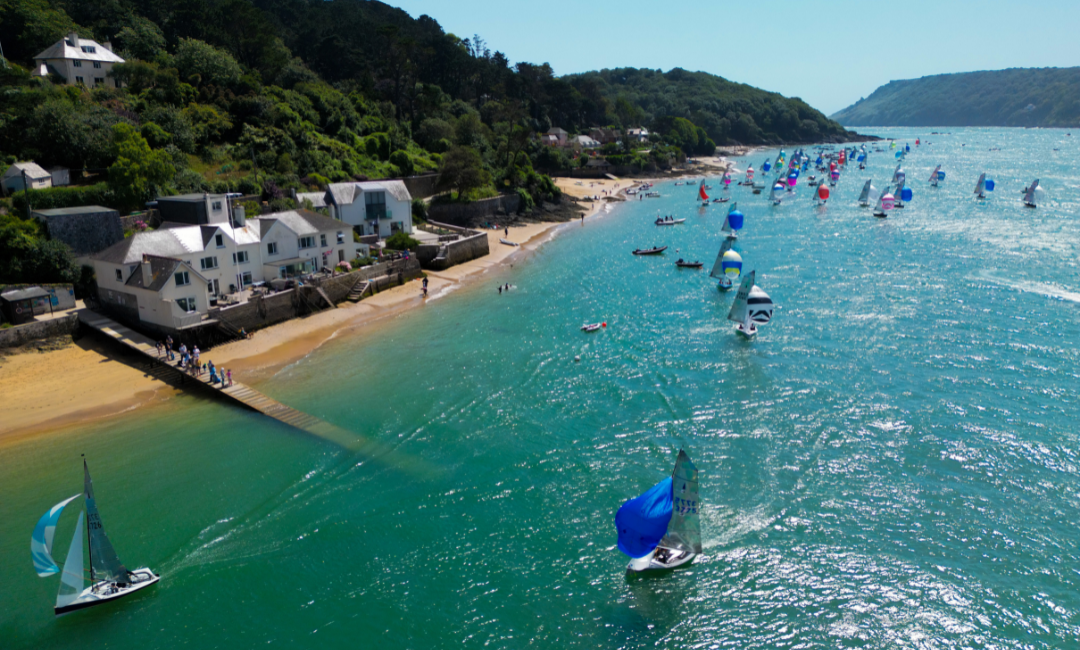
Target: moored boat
{"points": [[688, 265], [650, 251]]}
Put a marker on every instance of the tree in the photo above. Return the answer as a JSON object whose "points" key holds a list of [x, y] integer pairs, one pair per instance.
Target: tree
{"points": [[401, 241], [463, 170], [138, 170], [211, 65], [141, 39]]}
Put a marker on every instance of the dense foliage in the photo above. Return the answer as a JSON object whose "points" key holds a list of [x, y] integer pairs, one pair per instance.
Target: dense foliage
{"points": [[727, 112], [1015, 97]]}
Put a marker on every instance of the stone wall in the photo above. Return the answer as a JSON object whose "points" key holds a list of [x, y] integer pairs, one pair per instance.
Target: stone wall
{"points": [[469, 214], [16, 336], [286, 305], [470, 246], [86, 233], [421, 187]]}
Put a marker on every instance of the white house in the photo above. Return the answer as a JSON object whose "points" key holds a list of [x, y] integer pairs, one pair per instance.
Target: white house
{"points": [[221, 260], [584, 142], [36, 177], [641, 135], [78, 61], [372, 208]]}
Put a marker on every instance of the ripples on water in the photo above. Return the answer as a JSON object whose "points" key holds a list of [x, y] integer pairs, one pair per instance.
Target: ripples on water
{"points": [[891, 464]]}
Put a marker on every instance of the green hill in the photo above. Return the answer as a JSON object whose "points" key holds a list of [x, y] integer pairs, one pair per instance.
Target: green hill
{"points": [[729, 112], [1048, 97]]}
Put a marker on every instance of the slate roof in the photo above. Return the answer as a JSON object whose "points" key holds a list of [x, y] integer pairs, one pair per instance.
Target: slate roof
{"points": [[66, 49], [174, 240], [161, 271], [32, 169], [24, 294], [347, 193], [318, 199], [68, 212], [301, 222]]}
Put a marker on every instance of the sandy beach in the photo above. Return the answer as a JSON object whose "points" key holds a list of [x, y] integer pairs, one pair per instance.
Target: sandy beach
{"points": [[95, 379]]}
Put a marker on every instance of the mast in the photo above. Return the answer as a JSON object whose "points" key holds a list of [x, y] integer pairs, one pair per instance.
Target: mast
{"points": [[89, 546]]}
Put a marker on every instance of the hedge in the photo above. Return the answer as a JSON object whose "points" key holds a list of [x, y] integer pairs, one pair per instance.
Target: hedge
{"points": [[63, 197]]}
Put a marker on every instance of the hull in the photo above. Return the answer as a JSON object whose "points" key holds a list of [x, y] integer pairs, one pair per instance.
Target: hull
{"points": [[105, 592], [669, 223], [651, 251], [590, 328], [653, 561], [724, 284], [880, 215], [749, 332]]}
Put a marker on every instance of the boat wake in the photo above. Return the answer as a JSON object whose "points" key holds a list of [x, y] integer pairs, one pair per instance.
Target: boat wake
{"points": [[1048, 290]]}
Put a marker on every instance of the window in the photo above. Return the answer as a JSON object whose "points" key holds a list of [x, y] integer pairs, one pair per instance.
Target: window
{"points": [[182, 278], [77, 64], [89, 49], [216, 206], [98, 81], [119, 275], [375, 204], [97, 64], [245, 277], [208, 263], [240, 257], [271, 248], [340, 237], [322, 240], [187, 304], [306, 242], [219, 241], [78, 80]]}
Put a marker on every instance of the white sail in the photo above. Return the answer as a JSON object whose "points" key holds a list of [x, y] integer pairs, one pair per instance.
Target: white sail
{"points": [[864, 196], [980, 185], [896, 173], [759, 305], [725, 247], [933, 174], [71, 578], [739, 312], [41, 541], [684, 529]]}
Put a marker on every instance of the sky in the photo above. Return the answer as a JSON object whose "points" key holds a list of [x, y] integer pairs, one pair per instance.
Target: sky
{"points": [[829, 53]]}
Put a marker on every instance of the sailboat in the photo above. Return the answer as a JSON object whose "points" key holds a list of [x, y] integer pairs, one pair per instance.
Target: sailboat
{"points": [[701, 194], [1033, 194], [661, 529], [884, 204], [751, 307], [727, 267], [983, 185], [732, 222], [777, 194], [109, 579], [864, 196], [899, 176], [822, 194], [934, 176]]}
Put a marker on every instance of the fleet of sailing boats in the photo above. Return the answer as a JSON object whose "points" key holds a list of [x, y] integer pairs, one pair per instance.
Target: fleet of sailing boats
{"points": [[109, 579]]}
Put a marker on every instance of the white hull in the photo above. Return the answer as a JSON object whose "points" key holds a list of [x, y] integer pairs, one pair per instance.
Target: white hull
{"points": [[724, 284], [651, 562], [747, 331], [104, 591], [669, 223]]}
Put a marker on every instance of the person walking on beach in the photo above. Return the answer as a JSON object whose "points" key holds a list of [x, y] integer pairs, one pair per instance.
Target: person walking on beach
{"points": [[230, 377], [506, 231]]}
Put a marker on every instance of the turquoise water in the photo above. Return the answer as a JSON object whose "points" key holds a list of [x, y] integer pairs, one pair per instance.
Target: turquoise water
{"points": [[892, 463]]}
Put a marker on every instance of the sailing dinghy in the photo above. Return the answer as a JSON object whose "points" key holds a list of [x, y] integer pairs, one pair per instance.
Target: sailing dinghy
{"points": [[864, 196], [733, 222], [934, 176], [982, 186], [661, 529], [109, 579], [727, 267], [752, 307], [885, 203], [1033, 194]]}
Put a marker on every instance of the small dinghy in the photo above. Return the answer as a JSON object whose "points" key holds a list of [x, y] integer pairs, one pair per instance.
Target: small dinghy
{"points": [[752, 307], [649, 251], [688, 265], [592, 327], [669, 222], [508, 242], [661, 529], [109, 578], [1033, 194], [721, 200]]}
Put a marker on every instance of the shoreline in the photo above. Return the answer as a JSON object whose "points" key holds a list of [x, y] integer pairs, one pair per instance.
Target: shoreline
{"points": [[91, 380]]}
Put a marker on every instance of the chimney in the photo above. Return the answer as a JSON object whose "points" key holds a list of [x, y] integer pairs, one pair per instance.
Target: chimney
{"points": [[73, 39], [239, 217], [107, 45], [147, 276]]}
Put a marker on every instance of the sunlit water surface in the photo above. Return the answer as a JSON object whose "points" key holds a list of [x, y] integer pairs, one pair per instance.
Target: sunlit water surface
{"points": [[892, 463]]}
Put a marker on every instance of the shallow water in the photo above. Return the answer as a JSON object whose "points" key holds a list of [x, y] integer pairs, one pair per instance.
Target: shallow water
{"points": [[892, 463]]}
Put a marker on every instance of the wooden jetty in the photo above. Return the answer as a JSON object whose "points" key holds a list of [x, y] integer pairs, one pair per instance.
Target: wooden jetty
{"points": [[237, 393]]}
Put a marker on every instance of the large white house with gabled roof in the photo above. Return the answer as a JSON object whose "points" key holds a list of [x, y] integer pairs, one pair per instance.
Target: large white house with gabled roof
{"points": [[79, 61], [225, 260], [372, 207]]}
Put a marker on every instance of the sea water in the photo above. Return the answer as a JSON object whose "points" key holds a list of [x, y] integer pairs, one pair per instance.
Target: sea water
{"points": [[891, 463]]}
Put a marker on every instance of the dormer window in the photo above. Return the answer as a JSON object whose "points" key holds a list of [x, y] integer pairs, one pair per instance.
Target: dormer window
{"points": [[216, 206], [89, 49]]}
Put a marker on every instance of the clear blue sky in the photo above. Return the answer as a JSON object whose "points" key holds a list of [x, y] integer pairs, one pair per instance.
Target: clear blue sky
{"points": [[829, 52]]}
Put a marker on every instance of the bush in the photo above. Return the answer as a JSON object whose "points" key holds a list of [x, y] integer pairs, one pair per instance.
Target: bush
{"points": [[419, 210], [527, 203], [63, 197], [401, 241], [362, 261]]}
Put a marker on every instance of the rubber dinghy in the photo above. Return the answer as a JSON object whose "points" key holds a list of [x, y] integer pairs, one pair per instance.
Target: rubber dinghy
{"points": [[661, 529], [650, 251]]}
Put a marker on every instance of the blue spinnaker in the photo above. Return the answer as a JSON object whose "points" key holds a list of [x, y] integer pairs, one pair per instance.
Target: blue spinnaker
{"points": [[642, 521], [41, 540]]}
